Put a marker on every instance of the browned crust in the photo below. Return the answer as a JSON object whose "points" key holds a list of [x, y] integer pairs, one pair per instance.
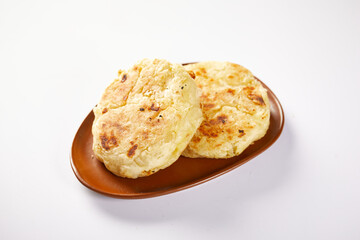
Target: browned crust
{"points": [[256, 99], [218, 120], [241, 133], [124, 77], [154, 108], [108, 142], [214, 127], [147, 172], [192, 74], [132, 150], [231, 91], [208, 105]]}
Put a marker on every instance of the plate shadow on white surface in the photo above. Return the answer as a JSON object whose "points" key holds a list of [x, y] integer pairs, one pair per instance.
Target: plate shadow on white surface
{"points": [[224, 197]]}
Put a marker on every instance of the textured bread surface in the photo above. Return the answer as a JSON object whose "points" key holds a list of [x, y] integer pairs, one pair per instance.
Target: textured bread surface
{"points": [[236, 110], [146, 118]]}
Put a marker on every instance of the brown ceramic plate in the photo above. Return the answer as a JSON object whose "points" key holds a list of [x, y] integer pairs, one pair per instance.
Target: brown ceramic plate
{"points": [[184, 173]]}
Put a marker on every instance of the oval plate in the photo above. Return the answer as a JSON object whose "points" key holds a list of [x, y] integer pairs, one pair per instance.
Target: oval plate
{"points": [[184, 173]]}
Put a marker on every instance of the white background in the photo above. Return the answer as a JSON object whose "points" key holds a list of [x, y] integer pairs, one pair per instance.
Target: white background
{"points": [[56, 58]]}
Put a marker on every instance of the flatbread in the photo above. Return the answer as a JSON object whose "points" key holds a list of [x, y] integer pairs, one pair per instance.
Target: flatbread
{"points": [[236, 110], [146, 118]]}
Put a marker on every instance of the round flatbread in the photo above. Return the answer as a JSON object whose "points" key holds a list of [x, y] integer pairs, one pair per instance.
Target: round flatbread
{"points": [[146, 118], [236, 110]]}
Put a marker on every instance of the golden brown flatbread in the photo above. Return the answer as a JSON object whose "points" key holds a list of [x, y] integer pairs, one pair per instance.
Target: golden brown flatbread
{"points": [[146, 118], [236, 110]]}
